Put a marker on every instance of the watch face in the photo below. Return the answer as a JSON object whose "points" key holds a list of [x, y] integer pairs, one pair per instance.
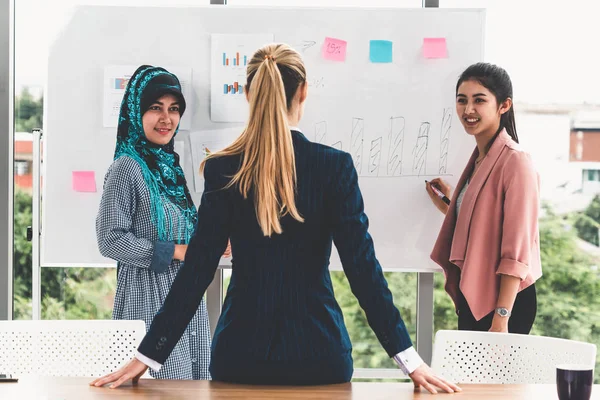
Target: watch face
{"points": [[503, 312]]}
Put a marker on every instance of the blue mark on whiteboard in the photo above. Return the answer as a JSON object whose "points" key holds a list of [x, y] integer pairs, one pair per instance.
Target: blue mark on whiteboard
{"points": [[380, 51]]}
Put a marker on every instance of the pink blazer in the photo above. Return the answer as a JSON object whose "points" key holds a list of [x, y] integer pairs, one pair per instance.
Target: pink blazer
{"points": [[496, 231]]}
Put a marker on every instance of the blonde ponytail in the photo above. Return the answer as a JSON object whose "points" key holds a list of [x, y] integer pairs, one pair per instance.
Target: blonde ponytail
{"points": [[268, 164]]}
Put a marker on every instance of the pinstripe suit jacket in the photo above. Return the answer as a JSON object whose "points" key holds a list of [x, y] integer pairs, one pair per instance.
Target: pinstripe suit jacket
{"points": [[280, 307]]}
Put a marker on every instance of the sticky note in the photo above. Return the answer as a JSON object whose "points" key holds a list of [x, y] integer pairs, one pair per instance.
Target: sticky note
{"points": [[84, 181], [334, 49], [380, 51], [435, 48]]}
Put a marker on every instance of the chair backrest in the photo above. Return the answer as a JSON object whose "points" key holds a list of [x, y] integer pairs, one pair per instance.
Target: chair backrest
{"points": [[68, 348], [485, 357]]}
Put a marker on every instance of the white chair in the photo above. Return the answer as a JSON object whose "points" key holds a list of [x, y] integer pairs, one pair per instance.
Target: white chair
{"points": [[484, 357], [68, 348]]}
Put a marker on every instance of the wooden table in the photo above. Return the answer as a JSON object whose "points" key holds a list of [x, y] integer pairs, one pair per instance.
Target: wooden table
{"points": [[77, 388]]}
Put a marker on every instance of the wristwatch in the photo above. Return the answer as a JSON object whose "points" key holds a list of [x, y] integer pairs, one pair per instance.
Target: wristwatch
{"points": [[503, 312]]}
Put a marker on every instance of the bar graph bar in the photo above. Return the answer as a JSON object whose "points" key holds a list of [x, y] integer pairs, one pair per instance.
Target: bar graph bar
{"points": [[234, 88], [234, 61], [121, 83]]}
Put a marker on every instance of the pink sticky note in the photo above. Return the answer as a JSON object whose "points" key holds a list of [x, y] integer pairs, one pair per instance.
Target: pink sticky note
{"points": [[334, 49], [435, 48], [84, 181]]}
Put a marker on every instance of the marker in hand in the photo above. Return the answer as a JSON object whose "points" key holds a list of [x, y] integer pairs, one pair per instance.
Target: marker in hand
{"points": [[439, 193]]}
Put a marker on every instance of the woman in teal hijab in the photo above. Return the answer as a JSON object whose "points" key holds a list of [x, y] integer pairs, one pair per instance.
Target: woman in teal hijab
{"points": [[147, 216]]}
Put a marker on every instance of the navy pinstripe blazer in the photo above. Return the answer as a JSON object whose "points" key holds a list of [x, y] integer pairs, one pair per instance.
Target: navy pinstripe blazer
{"points": [[280, 304]]}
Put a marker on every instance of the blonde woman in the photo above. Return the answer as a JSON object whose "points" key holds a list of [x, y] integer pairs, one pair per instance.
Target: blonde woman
{"points": [[282, 200]]}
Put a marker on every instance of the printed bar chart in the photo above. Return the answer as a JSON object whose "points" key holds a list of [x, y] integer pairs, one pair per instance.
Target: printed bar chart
{"points": [[234, 88], [121, 83], [234, 61]]}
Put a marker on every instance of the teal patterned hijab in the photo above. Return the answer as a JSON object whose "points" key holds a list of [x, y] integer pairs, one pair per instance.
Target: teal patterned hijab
{"points": [[160, 164]]}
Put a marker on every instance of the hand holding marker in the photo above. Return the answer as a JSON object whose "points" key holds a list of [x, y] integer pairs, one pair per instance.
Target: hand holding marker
{"points": [[439, 193]]}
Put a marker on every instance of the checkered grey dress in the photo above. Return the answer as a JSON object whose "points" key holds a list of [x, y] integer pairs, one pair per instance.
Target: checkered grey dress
{"points": [[126, 234]]}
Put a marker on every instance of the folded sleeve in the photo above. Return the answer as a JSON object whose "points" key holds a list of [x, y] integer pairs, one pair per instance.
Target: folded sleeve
{"points": [[521, 211]]}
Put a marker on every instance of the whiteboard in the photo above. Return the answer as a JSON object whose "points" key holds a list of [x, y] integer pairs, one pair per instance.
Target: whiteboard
{"points": [[397, 119]]}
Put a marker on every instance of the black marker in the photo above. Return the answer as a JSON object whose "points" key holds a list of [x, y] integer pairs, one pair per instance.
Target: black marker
{"points": [[439, 193]]}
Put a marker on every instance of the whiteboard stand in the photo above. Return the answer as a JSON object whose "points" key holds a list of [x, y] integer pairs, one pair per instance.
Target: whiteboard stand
{"points": [[425, 288], [425, 315], [36, 283], [214, 300]]}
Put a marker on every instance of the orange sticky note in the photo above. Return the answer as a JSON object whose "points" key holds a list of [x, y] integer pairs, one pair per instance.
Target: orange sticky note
{"points": [[334, 49], [84, 181], [435, 48]]}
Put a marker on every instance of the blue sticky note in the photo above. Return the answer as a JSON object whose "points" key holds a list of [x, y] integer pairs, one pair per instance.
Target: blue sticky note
{"points": [[380, 51]]}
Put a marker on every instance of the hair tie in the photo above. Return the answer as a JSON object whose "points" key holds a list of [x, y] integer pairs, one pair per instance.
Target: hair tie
{"points": [[269, 57]]}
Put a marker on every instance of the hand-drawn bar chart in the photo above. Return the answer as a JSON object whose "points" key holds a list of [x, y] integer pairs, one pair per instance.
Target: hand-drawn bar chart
{"points": [[375, 156], [420, 150], [393, 147], [445, 139], [357, 137], [405, 148], [321, 132], [396, 146]]}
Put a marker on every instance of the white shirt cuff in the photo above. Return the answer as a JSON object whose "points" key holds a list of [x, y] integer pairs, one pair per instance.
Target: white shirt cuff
{"points": [[408, 360], [148, 361]]}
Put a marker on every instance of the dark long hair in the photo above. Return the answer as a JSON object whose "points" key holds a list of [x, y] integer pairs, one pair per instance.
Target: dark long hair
{"points": [[496, 80]]}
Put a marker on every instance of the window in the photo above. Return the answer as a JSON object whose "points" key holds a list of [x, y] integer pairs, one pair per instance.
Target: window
{"points": [[551, 70], [21, 167], [552, 95], [592, 175], [67, 293]]}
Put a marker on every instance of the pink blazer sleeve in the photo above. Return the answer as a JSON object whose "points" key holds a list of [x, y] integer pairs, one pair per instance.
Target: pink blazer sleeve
{"points": [[521, 209]]}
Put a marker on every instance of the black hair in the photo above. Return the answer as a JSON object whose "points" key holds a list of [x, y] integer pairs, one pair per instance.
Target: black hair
{"points": [[496, 80]]}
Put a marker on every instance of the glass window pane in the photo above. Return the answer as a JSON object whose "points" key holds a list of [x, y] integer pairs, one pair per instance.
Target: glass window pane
{"points": [[555, 97], [78, 293], [367, 351], [67, 293], [444, 314]]}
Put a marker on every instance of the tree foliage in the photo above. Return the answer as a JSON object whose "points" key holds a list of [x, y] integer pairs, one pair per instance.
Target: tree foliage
{"points": [[67, 293], [587, 222], [567, 303], [28, 111]]}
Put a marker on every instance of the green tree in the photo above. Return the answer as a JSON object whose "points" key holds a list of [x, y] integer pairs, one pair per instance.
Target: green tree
{"points": [[567, 303], [22, 256], [367, 351], [28, 111], [67, 293], [568, 306], [587, 223]]}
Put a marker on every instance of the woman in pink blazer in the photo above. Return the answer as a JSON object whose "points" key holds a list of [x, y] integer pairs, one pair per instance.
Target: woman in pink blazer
{"points": [[488, 245]]}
